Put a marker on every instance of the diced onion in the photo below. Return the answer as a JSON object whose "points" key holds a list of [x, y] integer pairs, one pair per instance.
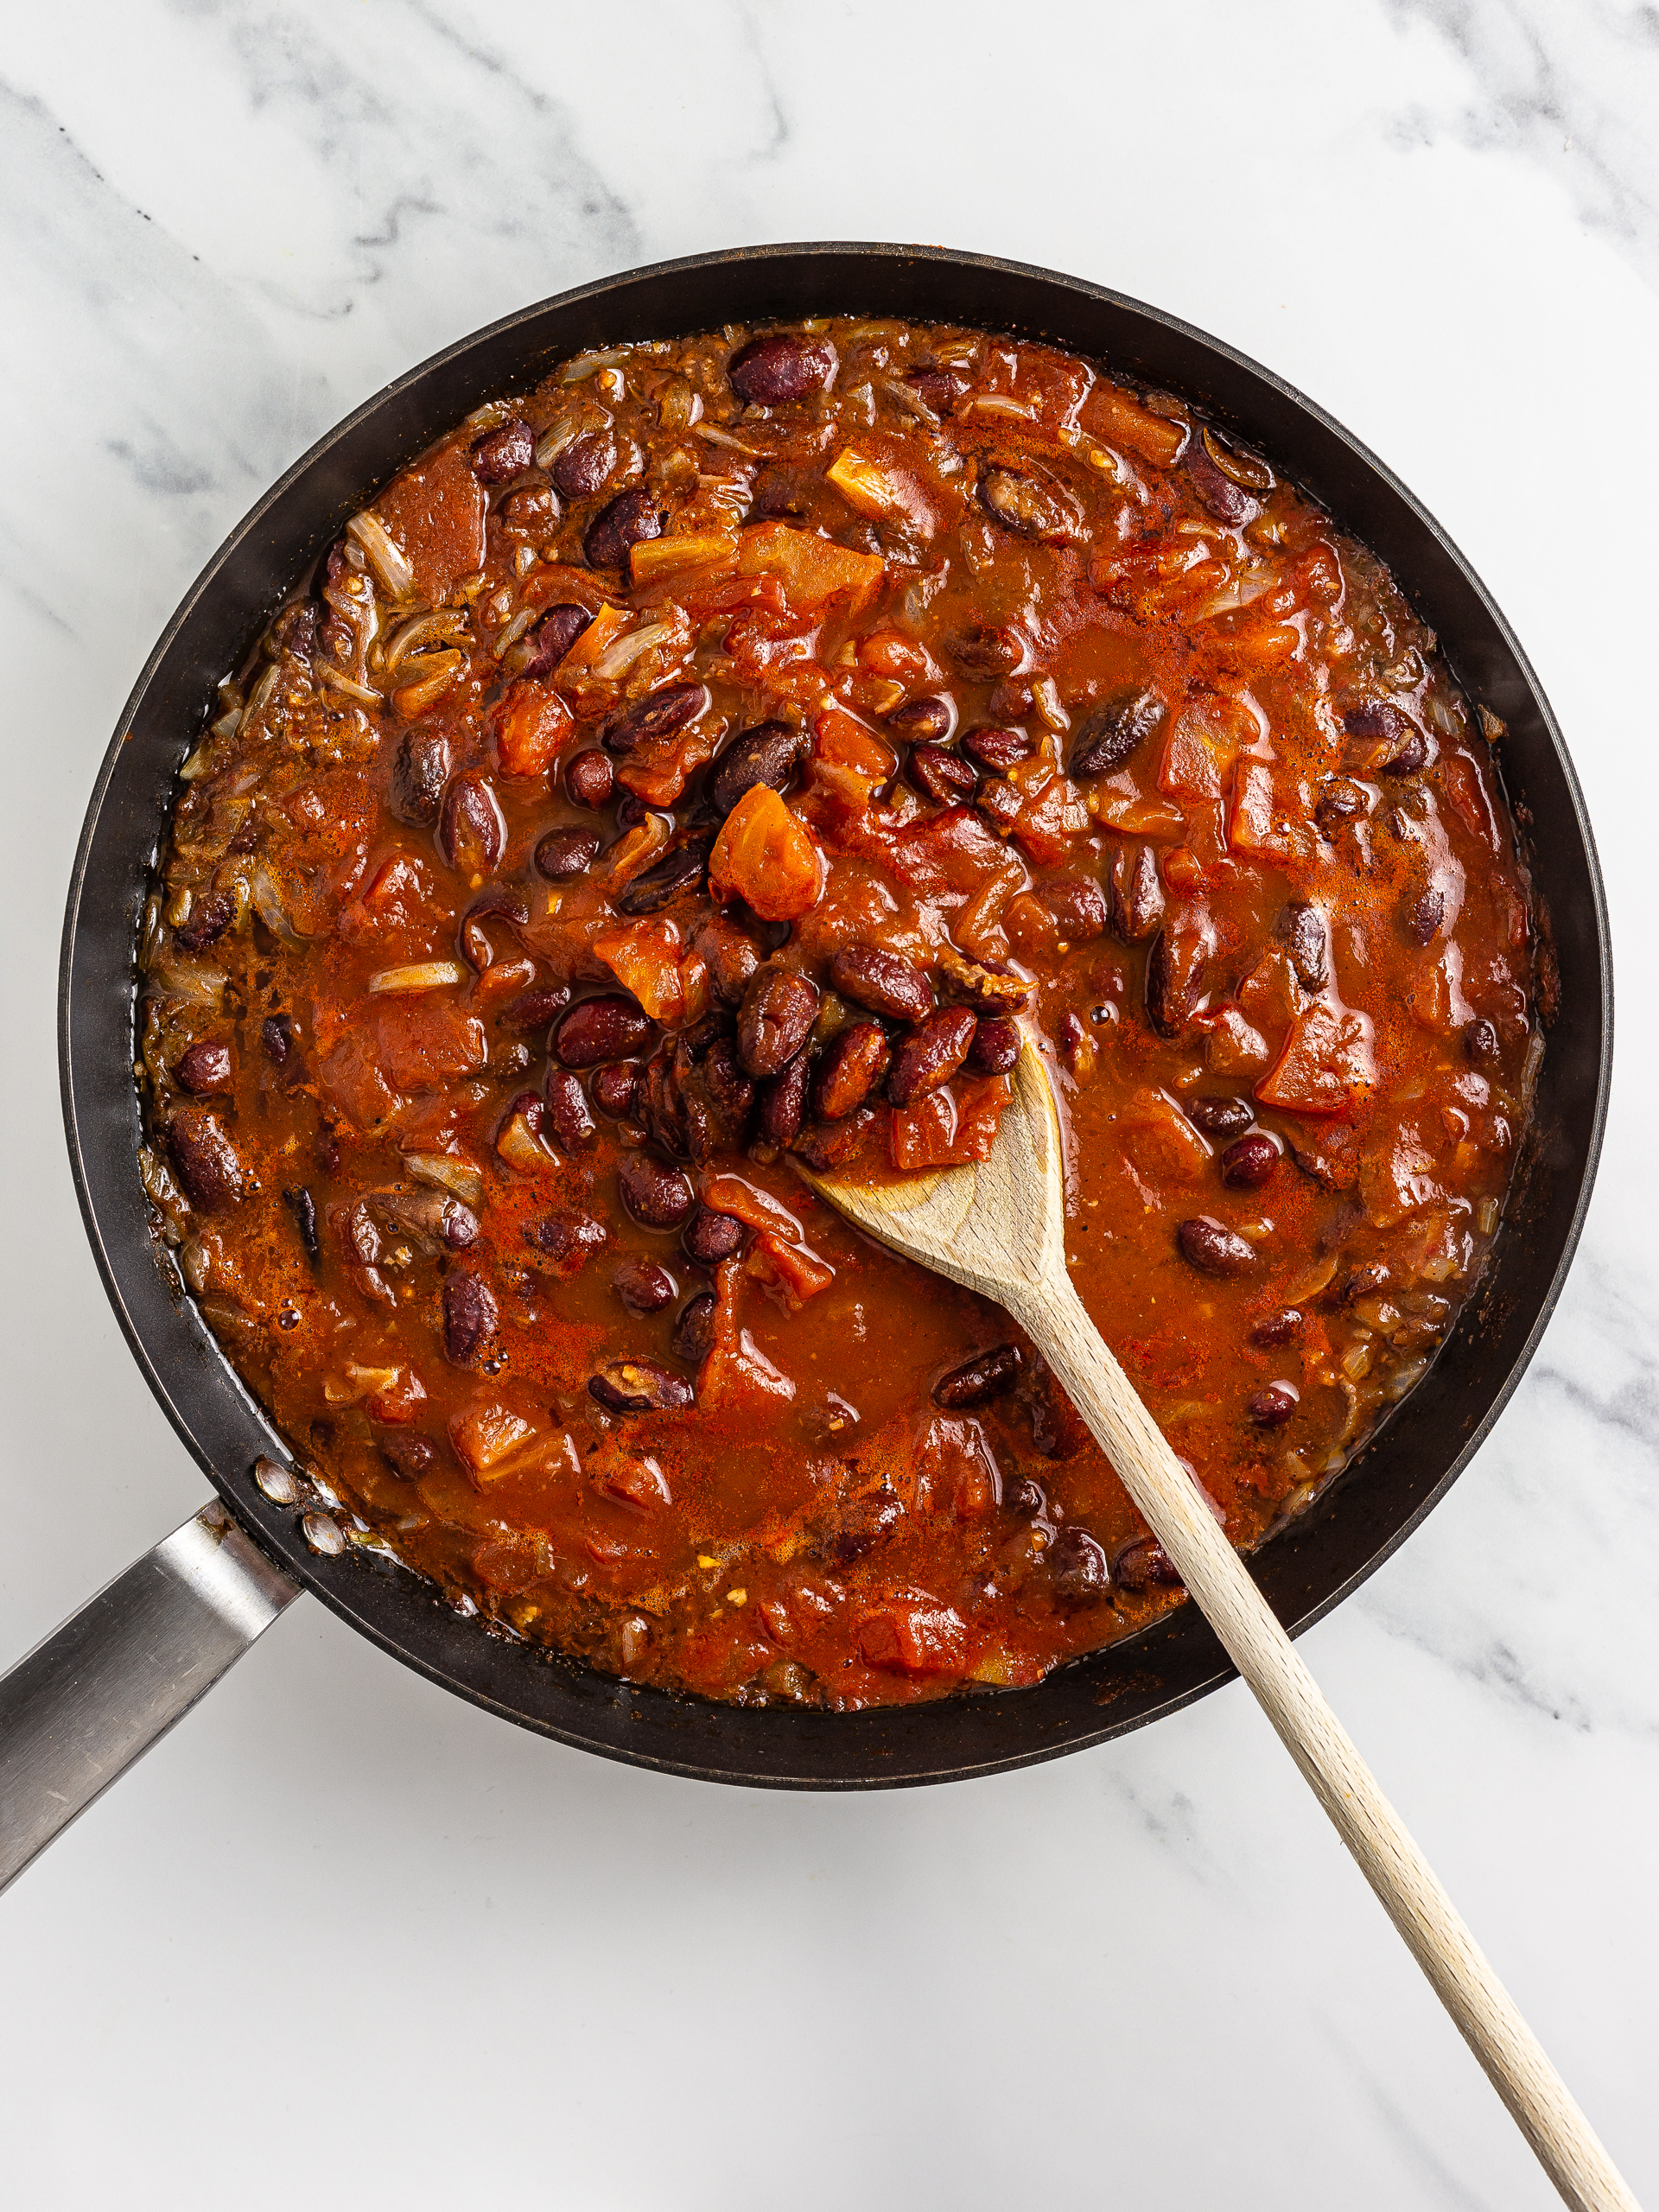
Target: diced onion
{"points": [[719, 437], [447, 1170], [338, 681], [389, 563], [993, 403], [617, 660], [585, 364], [420, 975]]}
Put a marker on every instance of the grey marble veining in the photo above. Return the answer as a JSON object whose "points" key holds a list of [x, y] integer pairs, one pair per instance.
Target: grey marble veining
{"points": [[337, 1899]]}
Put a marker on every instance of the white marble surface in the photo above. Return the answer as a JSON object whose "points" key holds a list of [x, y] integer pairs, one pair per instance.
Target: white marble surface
{"points": [[344, 1941]]}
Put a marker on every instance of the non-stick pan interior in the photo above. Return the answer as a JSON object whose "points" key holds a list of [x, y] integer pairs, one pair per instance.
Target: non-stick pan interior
{"points": [[1303, 1571]]}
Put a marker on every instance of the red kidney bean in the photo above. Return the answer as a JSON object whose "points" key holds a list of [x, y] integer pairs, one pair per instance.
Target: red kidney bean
{"points": [[1301, 928], [1342, 800], [1143, 1564], [640, 1386], [731, 1089], [882, 982], [848, 1070], [303, 1207], [931, 1054], [567, 1109], [1011, 700], [567, 1242], [985, 1376], [1229, 502], [1137, 895], [694, 1330], [1077, 1566], [998, 750], [682, 870], [472, 831], [619, 525], [580, 468], [553, 637], [614, 1089], [1480, 1044], [995, 1047], [940, 774], [1379, 722], [210, 916], [457, 1225], [643, 1287], [499, 456], [924, 722], [1077, 904], [782, 1104], [987, 986], [533, 1009], [1274, 1405], [1115, 733], [205, 1066], [780, 367], [730, 954], [418, 775], [412, 1456], [939, 388], [1361, 1282], [1423, 917], [665, 710], [868, 1520], [564, 854], [767, 755], [1274, 1328], [531, 513], [1219, 1117], [1213, 1248], [709, 1237], [1245, 1164], [469, 1317], [1026, 505], [775, 1019], [657, 1195], [590, 778], [608, 1027], [986, 650], [205, 1158]]}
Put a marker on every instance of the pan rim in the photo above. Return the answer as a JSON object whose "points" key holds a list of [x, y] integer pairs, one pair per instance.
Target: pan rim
{"points": [[332, 1587]]}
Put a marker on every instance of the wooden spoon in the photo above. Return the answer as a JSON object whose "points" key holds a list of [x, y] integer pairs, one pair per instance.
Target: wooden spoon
{"points": [[1000, 1230]]}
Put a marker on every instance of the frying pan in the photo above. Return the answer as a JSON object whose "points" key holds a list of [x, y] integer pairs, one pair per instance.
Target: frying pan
{"points": [[105, 1685]]}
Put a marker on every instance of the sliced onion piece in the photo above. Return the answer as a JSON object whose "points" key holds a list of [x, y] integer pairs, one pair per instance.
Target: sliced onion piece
{"points": [[268, 905], [338, 681], [447, 1171], [446, 627], [419, 975], [388, 561], [617, 660]]}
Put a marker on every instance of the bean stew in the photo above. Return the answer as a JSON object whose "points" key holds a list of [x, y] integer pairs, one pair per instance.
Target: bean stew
{"points": [[723, 756]]}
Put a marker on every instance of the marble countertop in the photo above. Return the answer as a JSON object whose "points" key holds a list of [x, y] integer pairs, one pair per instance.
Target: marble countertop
{"points": [[342, 1939]]}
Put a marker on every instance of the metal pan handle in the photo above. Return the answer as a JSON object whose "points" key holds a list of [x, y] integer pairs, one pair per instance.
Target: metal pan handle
{"points": [[115, 1676]]}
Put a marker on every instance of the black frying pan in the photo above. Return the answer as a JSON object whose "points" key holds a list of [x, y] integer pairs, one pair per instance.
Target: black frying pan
{"points": [[1303, 1573]]}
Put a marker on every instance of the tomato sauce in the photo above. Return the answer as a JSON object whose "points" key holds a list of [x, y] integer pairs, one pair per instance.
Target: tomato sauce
{"points": [[718, 758]]}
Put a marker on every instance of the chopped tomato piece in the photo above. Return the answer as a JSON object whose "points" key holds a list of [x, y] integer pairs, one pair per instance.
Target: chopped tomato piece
{"points": [[697, 556], [1326, 1067], [875, 483], [739, 1376], [486, 1434], [754, 1208], [1110, 414], [1203, 741], [426, 1041], [399, 1402], [794, 1272], [914, 1638], [533, 726], [921, 1135], [905, 660], [351, 1079], [639, 1482], [980, 1104], [644, 957], [814, 569], [434, 515], [1269, 818], [1467, 794], [1161, 1140], [765, 855], [849, 763], [395, 903]]}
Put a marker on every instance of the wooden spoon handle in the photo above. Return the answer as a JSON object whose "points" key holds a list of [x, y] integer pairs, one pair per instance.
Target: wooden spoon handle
{"points": [[1179, 1515]]}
